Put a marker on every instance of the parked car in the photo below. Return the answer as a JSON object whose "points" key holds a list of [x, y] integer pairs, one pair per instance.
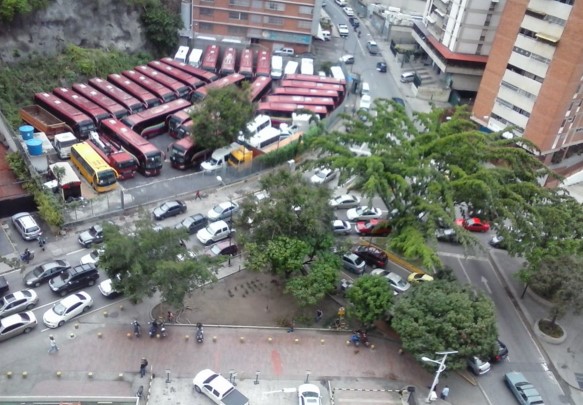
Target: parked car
{"points": [[354, 22], [343, 31], [372, 255], [373, 227], [92, 257], [106, 289], [523, 391], [497, 242], [309, 394], [18, 301], [446, 235], [395, 281], [478, 366], [26, 226], [220, 390], [91, 236], [67, 308], [353, 263], [500, 352], [17, 324], [193, 223], [340, 227], [347, 59], [214, 232], [341, 3], [372, 47], [344, 201], [381, 67], [224, 210], [363, 213], [169, 209], [224, 248], [284, 52], [399, 100], [323, 175], [74, 279], [348, 11], [416, 278], [473, 224], [4, 286], [45, 272]]}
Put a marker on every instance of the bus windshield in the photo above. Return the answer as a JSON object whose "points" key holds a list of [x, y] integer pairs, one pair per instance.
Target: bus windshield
{"points": [[106, 178]]}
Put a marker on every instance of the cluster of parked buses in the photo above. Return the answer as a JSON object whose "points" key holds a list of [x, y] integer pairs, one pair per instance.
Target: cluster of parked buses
{"points": [[115, 117]]}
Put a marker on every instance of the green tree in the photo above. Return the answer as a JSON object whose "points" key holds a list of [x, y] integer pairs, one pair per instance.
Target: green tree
{"points": [[147, 261], [161, 26], [441, 316], [313, 286], [9, 9], [224, 113], [371, 298], [424, 167]]}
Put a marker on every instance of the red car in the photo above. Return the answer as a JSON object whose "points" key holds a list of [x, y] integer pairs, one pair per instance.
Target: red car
{"points": [[473, 224], [373, 227]]}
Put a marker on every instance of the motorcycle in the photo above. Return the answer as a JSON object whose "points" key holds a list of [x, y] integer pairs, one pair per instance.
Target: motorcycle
{"points": [[42, 242], [157, 328], [358, 337], [199, 333], [137, 328], [27, 256]]}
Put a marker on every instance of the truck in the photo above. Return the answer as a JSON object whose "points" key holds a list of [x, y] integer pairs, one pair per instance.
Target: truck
{"points": [[43, 121], [240, 156], [63, 142], [218, 388], [219, 157]]}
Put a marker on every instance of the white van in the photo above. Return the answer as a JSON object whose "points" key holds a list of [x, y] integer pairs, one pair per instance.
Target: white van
{"points": [[195, 57], [181, 54], [219, 157], [365, 91], [407, 77], [307, 66], [291, 67], [63, 142], [276, 67]]}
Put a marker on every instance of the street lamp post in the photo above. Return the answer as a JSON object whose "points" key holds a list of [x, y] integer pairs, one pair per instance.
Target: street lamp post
{"points": [[440, 370]]}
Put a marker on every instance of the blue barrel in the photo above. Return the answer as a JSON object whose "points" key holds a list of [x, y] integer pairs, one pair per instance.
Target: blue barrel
{"points": [[26, 132], [35, 147]]}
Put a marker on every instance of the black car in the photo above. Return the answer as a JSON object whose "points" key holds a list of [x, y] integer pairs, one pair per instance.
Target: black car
{"points": [[169, 209], [193, 223], [4, 287], [399, 101], [74, 279], [354, 22], [372, 255], [500, 352], [382, 67], [45, 271], [91, 236]]}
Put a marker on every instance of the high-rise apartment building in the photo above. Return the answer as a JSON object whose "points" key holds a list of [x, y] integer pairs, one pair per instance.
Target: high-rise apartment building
{"points": [[271, 24], [533, 82]]}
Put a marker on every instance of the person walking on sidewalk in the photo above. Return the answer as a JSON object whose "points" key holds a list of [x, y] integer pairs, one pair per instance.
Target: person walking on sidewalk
{"points": [[444, 392], [53, 348], [143, 366], [319, 315]]}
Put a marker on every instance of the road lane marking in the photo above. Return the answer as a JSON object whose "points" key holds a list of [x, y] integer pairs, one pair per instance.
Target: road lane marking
{"points": [[75, 251], [462, 256], [485, 282]]}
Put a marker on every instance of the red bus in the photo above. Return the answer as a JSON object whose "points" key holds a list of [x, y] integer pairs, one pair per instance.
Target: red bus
{"points": [[124, 164], [180, 89], [115, 109], [282, 112], [315, 78], [263, 64], [88, 107], [79, 122], [147, 98], [201, 93], [325, 101], [148, 156], [190, 80], [315, 85], [185, 154], [129, 102], [210, 60], [159, 90], [207, 77], [229, 62], [259, 88], [246, 64], [152, 122], [297, 91]]}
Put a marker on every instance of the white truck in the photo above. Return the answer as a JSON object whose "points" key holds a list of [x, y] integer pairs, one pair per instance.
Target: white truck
{"points": [[219, 158], [218, 388], [63, 142]]}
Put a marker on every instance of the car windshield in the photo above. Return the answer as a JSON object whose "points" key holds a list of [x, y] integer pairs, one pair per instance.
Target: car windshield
{"points": [[187, 222], [216, 250], [38, 271], [310, 394], [59, 309], [165, 207], [92, 231], [218, 209], [321, 174]]}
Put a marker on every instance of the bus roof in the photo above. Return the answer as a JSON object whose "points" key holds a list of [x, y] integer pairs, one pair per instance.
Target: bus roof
{"points": [[312, 85], [246, 63], [131, 103], [130, 136], [182, 53], [179, 88], [64, 109], [162, 92], [301, 100], [67, 175], [263, 63], [313, 78], [211, 58], [229, 62], [145, 96], [305, 92], [201, 74], [178, 74], [103, 100], [265, 107], [258, 87], [163, 110], [83, 104]]}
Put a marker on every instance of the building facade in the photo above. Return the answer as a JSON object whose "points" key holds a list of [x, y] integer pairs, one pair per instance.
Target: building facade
{"points": [[269, 24], [533, 83]]}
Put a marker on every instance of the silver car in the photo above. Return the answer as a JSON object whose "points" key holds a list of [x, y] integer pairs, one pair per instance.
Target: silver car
{"points": [[16, 324], [18, 301]]}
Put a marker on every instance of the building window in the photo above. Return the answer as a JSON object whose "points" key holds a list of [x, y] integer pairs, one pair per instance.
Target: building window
{"points": [[239, 3], [528, 33], [521, 51], [305, 24], [524, 73], [272, 5], [255, 19], [555, 20], [235, 15], [512, 107], [273, 20], [241, 31], [540, 58], [518, 90], [257, 4], [206, 11], [569, 2], [206, 27], [306, 10], [207, 1], [534, 13]]}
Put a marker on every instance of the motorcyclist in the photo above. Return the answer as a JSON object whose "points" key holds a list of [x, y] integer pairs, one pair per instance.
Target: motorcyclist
{"points": [[27, 255], [137, 328], [199, 333]]}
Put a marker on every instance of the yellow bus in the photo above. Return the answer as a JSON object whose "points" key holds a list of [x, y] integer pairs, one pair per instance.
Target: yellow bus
{"points": [[93, 168]]}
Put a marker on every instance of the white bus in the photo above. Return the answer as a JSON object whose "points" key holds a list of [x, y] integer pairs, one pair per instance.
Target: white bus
{"points": [[266, 137], [307, 66], [337, 73], [195, 57], [181, 54], [276, 67], [291, 67], [260, 122]]}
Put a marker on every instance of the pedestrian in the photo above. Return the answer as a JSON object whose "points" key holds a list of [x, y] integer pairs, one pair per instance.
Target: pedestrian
{"points": [[53, 345], [197, 195], [291, 326], [319, 315], [444, 392], [267, 308], [143, 366]]}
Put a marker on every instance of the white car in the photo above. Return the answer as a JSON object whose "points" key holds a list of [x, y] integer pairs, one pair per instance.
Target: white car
{"points": [[344, 201], [323, 175], [309, 394], [67, 308], [93, 257], [395, 281], [363, 213], [214, 232], [341, 3], [365, 102], [348, 11], [340, 227], [223, 210], [343, 30], [346, 59]]}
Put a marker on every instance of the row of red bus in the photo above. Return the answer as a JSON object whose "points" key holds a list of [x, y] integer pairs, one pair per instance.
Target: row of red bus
{"points": [[249, 64]]}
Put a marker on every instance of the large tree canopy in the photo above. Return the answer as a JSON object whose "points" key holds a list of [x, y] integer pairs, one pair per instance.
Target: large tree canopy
{"points": [[422, 168], [371, 299], [441, 316]]}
